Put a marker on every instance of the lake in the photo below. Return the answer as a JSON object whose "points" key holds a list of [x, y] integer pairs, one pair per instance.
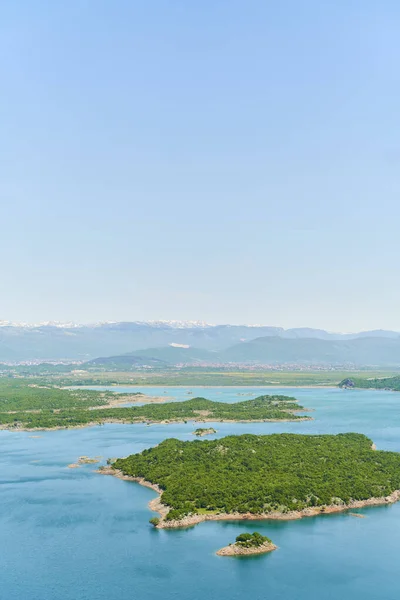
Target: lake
{"points": [[71, 534]]}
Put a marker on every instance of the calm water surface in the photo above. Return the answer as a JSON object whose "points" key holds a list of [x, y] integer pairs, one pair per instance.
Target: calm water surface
{"points": [[70, 534]]}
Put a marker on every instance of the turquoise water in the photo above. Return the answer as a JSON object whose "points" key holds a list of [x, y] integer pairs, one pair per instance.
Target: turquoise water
{"points": [[71, 534]]}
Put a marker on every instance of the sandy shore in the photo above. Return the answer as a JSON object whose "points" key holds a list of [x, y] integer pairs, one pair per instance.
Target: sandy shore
{"points": [[122, 399], [9, 427], [214, 420], [235, 550], [191, 520]]}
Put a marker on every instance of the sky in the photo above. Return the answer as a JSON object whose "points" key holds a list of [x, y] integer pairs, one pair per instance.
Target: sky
{"points": [[228, 161]]}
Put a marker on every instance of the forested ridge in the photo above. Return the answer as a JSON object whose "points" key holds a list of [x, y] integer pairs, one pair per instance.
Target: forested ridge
{"points": [[378, 383], [37, 407], [264, 473]]}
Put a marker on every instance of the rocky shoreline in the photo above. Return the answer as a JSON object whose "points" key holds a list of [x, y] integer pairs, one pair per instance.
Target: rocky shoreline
{"points": [[141, 420], [157, 506], [236, 550]]}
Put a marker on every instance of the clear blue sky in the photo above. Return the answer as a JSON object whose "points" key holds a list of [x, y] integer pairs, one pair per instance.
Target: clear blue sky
{"points": [[223, 160]]}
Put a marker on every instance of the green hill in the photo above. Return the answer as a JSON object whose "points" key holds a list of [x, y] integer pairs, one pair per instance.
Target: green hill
{"points": [[363, 351], [381, 383], [154, 357], [265, 473], [373, 351]]}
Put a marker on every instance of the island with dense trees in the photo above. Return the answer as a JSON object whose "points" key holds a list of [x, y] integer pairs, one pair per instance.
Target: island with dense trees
{"points": [[372, 383], [202, 431], [28, 407], [247, 544], [283, 476]]}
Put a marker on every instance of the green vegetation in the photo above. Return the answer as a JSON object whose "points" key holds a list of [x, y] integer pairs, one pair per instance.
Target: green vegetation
{"points": [[377, 383], [260, 474], [201, 431], [251, 540], [208, 377], [36, 370], [19, 395], [262, 408], [154, 521]]}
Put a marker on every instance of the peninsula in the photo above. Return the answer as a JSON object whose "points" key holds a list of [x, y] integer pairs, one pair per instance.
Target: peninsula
{"points": [[79, 412], [247, 544], [372, 383], [278, 476]]}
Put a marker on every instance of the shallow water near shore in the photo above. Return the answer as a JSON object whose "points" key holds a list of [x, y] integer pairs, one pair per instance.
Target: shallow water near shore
{"points": [[70, 534]]}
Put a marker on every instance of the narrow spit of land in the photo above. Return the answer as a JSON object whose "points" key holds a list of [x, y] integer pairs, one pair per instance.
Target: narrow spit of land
{"points": [[279, 476], [82, 410]]}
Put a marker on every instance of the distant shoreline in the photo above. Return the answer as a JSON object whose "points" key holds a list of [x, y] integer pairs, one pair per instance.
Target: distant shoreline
{"points": [[239, 385], [157, 506]]}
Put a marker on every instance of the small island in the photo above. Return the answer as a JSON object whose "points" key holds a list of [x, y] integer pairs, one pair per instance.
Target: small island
{"points": [[201, 431], [84, 460], [247, 544], [254, 477]]}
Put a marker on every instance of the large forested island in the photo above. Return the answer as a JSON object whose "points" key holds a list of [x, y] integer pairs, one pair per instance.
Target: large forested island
{"points": [[263, 476], [25, 406]]}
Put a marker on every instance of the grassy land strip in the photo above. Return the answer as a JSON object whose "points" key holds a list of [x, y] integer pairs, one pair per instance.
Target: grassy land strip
{"points": [[205, 377], [24, 395], [263, 408]]}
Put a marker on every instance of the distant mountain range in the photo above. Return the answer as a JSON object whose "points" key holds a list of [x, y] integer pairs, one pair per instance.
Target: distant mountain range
{"points": [[153, 357], [269, 350], [194, 342], [362, 351]]}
